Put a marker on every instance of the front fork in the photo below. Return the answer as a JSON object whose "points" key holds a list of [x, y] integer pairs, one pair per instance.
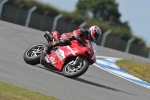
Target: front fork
{"points": [[78, 60]]}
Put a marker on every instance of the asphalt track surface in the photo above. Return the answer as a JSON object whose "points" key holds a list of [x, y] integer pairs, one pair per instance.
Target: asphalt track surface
{"points": [[95, 84]]}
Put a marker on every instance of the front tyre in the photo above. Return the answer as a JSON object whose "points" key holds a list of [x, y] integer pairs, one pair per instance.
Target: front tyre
{"points": [[73, 72], [32, 54]]}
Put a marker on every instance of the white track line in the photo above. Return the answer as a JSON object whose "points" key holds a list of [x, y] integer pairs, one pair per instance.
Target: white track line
{"points": [[108, 64]]}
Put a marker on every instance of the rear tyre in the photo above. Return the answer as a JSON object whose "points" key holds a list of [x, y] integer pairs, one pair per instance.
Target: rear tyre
{"points": [[73, 72], [32, 54]]}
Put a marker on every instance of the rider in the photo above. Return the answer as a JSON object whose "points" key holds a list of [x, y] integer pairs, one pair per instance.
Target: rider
{"points": [[93, 33]]}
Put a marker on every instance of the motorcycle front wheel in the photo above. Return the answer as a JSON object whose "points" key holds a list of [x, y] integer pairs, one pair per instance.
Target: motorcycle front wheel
{"points": [[73, 72], [32, 54]]}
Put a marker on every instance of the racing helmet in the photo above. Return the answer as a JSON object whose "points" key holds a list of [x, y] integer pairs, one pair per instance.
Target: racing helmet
{"points": [[94, 32]]}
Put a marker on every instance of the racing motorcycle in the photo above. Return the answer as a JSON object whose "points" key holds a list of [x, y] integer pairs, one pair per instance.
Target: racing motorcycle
{"points": [[71, 60]]}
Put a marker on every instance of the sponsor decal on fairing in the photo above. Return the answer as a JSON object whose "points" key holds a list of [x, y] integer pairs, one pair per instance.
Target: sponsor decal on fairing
{"points": [[60, 54]]}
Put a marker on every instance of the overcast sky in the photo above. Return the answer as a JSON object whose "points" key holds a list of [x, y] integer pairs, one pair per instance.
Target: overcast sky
{"points": [[136, 12]]}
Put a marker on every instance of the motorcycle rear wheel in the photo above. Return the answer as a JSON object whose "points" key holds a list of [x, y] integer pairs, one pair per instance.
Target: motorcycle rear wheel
{"points": [[73, 72], [32, 54]]}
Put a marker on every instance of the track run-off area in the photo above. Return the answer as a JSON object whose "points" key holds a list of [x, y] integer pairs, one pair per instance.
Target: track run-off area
{"points": [[95, 84]]}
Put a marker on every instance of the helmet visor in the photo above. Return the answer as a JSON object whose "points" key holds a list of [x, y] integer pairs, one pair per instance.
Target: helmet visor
{"points": [[96, 36]]}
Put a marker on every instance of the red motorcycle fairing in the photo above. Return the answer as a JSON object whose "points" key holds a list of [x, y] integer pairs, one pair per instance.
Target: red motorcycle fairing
{"points": [[58, 57]]}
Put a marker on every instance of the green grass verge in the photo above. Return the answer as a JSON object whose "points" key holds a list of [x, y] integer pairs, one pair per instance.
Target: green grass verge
{"points": [[10, 92], [135, 68]]}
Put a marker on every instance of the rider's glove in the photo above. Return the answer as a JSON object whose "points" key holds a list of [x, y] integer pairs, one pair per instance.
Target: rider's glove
{"points": [[83, 31]]}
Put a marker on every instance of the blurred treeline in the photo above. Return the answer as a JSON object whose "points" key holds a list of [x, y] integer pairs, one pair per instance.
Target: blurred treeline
{"points": [[104, 13]]}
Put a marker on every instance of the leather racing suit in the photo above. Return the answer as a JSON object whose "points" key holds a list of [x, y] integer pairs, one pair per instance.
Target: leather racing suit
{"points": [[65, 38]]}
